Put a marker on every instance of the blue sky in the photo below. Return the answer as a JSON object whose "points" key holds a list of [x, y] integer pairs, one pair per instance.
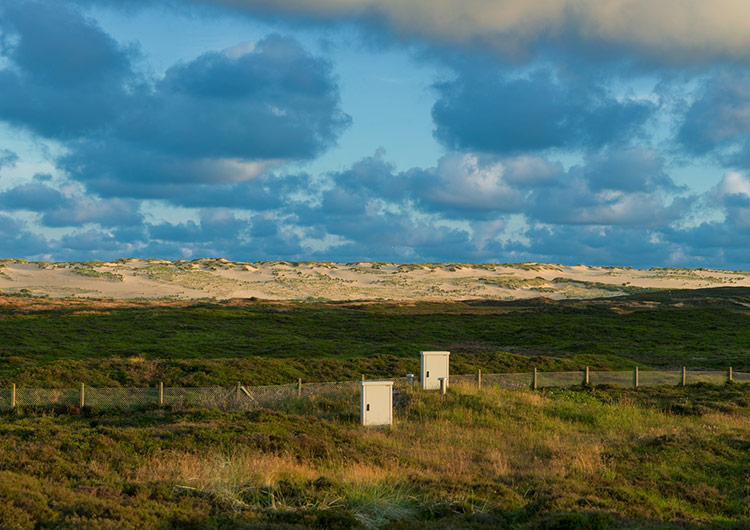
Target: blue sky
{"points": [[614, 132]]}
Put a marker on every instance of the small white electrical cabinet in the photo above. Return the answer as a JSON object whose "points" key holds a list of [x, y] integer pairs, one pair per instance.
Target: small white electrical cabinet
{"points": [[376, 403], [434, 366]]}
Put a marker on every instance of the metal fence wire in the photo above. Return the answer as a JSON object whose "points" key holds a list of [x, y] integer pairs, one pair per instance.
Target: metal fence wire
{"points": [[200, 397], [106, 398], [507, 381], [283, 396], [43, 397], [560, 379]]}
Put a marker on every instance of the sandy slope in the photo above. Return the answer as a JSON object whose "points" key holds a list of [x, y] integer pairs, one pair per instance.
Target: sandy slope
{"points": [[282, 280]]}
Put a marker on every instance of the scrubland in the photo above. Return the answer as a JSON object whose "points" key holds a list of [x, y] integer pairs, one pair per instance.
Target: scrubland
{"points": [[583, 457], [573, 458]]}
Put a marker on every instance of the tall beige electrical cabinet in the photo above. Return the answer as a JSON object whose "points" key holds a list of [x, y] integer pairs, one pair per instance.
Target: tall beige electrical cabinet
{"points": [[376, 403], [434, 366]]}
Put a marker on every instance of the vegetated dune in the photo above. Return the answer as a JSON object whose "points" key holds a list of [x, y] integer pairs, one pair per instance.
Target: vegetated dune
{"points": [[322, 280]]}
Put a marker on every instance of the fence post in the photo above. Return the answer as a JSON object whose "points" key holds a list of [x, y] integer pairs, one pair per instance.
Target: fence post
{"points": [[12, 396], [363, 377], [534, 381], [442, 385], [82, 400], [586, 376], [684, 376], [479, 378], [730, 376], [161, 394], [299, 387], [635, 377], [238, 393]]}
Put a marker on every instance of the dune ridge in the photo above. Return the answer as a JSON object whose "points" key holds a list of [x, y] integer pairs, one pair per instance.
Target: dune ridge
{"points": [[219, 278]]}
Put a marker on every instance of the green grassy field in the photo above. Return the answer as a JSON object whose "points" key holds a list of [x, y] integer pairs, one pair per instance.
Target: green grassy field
{"points": [[46, 343], [588, 458]]}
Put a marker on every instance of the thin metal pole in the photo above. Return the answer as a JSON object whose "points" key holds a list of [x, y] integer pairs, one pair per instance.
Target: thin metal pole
{"points": [[442, 385]]}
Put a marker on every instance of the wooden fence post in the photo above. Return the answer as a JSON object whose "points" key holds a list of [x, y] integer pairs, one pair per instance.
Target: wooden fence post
{"points": [[161, 394], [479, 378], [684, 376], [730, 375], [635, 377], [82, 400], [12, 396], [299, 387], [238, 392], [534, 381], [586, 378]]}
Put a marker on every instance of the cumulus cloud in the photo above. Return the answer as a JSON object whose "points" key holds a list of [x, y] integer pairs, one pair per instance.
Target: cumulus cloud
{"points": [[470, 185], [60, 210], [373, 211], [222, 117], [618, 186], [732, 197], [629, 169], [7, 158], [274, 102], [612, 245], [66, 76], [667, 31], [17, 240], [732, 184], [718, 121], [482, 110], [218, 231]]}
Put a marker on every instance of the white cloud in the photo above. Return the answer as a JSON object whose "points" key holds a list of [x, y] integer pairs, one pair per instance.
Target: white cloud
{"points": [[466, 181], [681, 31], [732, 183]]}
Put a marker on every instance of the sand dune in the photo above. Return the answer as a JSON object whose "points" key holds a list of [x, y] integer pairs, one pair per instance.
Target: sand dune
{"points": [[285, 280]]}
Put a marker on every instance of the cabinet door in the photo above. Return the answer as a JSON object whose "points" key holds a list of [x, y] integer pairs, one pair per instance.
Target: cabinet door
{"points": [[378, 404]]}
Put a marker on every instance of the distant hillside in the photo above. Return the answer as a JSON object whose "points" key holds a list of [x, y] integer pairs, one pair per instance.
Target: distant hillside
{"points": [[321, 280]]}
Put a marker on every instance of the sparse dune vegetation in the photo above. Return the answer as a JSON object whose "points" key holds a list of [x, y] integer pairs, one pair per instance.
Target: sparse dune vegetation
{"points": [[323, 280]]}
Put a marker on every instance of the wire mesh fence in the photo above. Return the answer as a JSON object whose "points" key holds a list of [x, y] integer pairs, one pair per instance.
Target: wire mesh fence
{"points": [[507, 381], [324, 395], [622, 378], [199, 397], [32, 397], [106, 398], [560, 379], [664, 377]]}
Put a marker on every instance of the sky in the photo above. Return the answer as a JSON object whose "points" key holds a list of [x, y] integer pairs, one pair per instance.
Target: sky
{"points": [[598, 132]]}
